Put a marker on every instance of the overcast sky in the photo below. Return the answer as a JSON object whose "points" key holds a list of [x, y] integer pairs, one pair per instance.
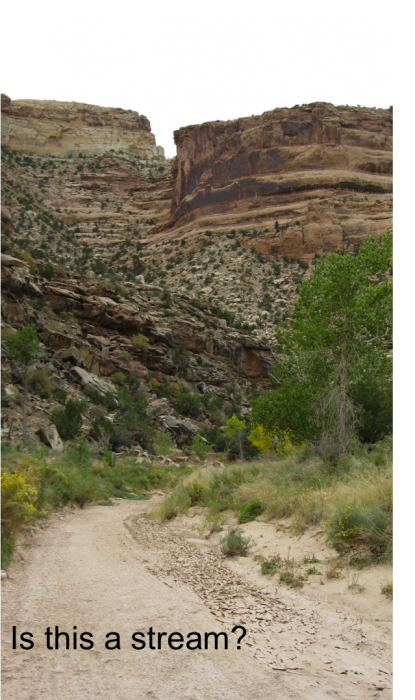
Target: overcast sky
{"points": [[186, 62]]}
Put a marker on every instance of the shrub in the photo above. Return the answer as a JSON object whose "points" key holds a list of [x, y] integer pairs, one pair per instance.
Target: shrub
{"points": [[234, 544], [360, 525], [163, 443], [188, 403], [40, 383], [387, 589], [68, 420], [200, 447], [124, 355], [166, 298], [269, 567], [102, 430], [196, 492], [141, 342], [46, 271], [61, 396], [180, 362], [18, 499], [249, 511]]}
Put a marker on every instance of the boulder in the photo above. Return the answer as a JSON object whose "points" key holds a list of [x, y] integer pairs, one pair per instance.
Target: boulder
{"points": [[10, 261], [50, 437], [161, 407], [86, 379], [6, 217], [183, 430]]}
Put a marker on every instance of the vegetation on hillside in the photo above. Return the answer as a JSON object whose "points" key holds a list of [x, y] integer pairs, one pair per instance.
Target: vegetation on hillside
{"points": [[35, 482]]}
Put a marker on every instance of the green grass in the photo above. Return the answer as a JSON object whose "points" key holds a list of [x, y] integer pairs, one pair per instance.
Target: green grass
{"points": [[306, 490], [76, 476]]}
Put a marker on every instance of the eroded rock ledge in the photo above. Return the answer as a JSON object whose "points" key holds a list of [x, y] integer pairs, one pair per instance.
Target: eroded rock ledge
{"points": [[47, 127], [281, 166]]}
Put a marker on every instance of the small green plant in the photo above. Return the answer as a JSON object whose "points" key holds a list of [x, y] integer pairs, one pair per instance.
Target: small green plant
{"points": [[291, 580], [188, 403], [270, 566], [46, 271], [387, 589], [166, 298], [40, 383], [196, 492], [359, 525], [141, 342], [200, 447], [102, 430], [163, 443], [249, 511], [68, 420], [124, 355], [234, 544]]}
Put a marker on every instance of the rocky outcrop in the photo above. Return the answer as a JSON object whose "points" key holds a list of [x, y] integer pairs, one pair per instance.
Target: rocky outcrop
{"points": [[6, 217], [107, 323], [62, 129], [303, 167], [50, 436]]}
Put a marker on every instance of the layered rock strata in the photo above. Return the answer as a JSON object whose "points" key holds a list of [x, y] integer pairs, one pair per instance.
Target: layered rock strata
{"points": [[323, 172], [105, 323], [62, 129]]}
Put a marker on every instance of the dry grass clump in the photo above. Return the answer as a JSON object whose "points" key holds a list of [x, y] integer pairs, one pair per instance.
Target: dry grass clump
{"points": [[353, 498]]}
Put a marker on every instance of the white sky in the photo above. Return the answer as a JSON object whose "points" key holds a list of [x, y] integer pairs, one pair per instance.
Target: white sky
{"points": [[186, 62]]}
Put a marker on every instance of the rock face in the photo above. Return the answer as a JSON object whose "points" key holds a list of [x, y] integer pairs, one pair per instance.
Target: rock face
{"points": [[302, 167], [62, 129]]}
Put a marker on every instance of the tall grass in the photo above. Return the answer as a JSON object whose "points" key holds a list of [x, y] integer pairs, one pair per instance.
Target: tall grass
{"points": [[36, 482], [305, 489]]}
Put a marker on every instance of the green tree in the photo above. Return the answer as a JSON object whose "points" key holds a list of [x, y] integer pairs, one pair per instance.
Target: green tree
{"points": [[23, 349], [235, 429], [338, 341], [68, 420]]}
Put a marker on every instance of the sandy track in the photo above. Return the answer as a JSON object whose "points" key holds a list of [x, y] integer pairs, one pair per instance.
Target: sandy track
{"points": [[112, 570]]}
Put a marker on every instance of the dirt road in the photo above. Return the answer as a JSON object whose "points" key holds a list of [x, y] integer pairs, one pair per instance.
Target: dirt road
{"points": [[110, 569]]}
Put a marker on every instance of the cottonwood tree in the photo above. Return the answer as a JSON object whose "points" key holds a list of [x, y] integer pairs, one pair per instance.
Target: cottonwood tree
{"points": [[24, 349], [336, 347]]}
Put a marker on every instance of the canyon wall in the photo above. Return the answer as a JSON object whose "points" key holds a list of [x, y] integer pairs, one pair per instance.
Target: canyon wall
{"points": [[62, 129], [323, 172]]}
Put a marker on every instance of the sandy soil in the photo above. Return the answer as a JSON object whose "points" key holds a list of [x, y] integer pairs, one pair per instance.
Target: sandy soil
{"points": [[110, 569]]}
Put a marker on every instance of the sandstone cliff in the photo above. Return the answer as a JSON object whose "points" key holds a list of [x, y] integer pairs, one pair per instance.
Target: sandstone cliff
{"points": [[303, 167], [50, 128]]}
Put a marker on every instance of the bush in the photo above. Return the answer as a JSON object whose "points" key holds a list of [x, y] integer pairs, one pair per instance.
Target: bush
{"points": [[361, 525], [68, 420], [61, 396], [163, 443], [249, 511], [102, 430], [141, 342], [18, 499], [234, 544], [196, 492], [40, 383], [46, 271], [188, 403], [108, 399], [200, 447]]}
